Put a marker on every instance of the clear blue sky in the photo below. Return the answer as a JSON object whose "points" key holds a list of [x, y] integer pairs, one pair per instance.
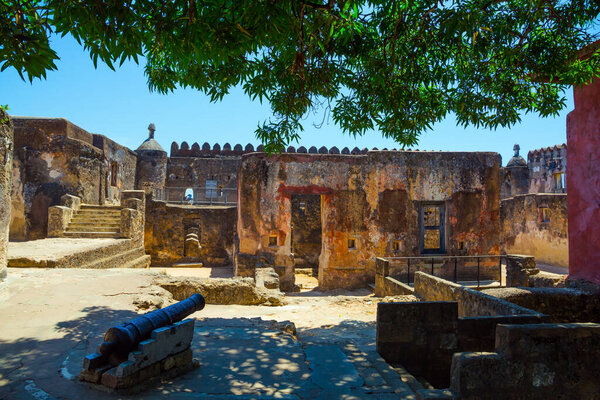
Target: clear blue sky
{"points": [[119, 105]]}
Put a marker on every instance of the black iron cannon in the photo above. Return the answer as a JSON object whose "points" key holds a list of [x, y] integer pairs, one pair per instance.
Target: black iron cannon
{"points": [[121, 339]]}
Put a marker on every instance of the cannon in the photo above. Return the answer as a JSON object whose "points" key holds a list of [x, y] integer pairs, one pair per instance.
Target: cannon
{"points": [[122, 339]]}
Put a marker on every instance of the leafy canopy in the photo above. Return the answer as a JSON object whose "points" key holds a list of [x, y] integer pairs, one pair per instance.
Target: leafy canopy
{"points": [[397, 66]]}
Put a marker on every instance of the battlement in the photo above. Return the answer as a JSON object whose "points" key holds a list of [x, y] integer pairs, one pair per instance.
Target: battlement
{"points": [[227, 151]]}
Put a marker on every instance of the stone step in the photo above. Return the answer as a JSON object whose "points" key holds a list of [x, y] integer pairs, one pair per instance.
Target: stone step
{"points": [[88, 256], [132, 258], [89, 213], [93, 235], [103, 224], [92, 228], [83, 219], [99, 207]]}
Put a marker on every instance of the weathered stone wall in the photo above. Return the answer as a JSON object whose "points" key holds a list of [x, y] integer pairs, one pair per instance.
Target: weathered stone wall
{"points": [[471, 302], [560, 304], [423, 336], [536, 225], [53, 157], [125, 161], [193, 172], [6, 150], [540, 361], [167, 226], [386, 285], [369, 201]]}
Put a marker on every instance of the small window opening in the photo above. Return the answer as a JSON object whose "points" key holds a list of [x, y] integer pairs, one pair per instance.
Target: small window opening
{"points": [[544, 214], [461, 245], [396, 245], [114, 170], [351, 243], [272, 240]]}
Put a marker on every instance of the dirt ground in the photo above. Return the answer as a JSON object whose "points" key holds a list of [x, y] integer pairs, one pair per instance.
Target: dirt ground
{"points": [[46, 313]]}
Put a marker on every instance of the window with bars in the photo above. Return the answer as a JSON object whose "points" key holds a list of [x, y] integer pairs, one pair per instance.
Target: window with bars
{"points": [[432, 229]]}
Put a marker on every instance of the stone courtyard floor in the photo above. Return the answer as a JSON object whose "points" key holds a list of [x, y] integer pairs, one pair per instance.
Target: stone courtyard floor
{"points": [[51, 318]]}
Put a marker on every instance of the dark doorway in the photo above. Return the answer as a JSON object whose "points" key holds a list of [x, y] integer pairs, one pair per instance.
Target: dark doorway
{"points": [[306, 231]]}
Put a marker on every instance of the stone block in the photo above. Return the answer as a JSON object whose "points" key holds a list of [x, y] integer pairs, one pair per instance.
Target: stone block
{"points": [[518, 270], [166, 351], [266, 278], [421, 336], [58, 220], [162, 343], [73, 202]]}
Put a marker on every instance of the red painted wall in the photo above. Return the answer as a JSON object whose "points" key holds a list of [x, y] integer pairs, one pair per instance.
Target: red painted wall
{"points": [[583, 183]]}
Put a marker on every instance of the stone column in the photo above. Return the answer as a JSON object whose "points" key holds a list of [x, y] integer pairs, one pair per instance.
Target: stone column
{"points": [[6, 150], [583, 181]]}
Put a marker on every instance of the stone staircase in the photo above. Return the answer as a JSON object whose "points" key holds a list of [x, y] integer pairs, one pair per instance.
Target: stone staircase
{"points": [[94, 221]]}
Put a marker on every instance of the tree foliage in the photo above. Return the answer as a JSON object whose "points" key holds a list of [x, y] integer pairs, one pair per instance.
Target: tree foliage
{"points": [[396, 66]]}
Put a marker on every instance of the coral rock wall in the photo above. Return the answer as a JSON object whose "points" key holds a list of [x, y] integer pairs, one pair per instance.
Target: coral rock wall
{"points": [[536, 225], [370, 207], [6, 146], [53, 157], [167, 226]]}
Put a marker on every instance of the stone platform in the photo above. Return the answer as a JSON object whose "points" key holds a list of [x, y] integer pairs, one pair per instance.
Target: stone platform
{"points": [[77, 253]]}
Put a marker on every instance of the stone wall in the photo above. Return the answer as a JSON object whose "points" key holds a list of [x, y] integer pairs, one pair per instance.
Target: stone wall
{"points": [[560, 304], [167, 226], [423, 336], [53, 157], [370, 207], [537, 225], [193, 172], [541, 361], [470, 302], [120, 160], [6, 150]]}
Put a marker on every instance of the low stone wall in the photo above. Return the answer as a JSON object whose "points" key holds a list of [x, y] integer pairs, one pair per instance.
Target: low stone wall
{"points": [[133, 215], [542, 361], [386, 285], [420, 336], [470, 302], [60, 216], [236, 290], [560, 304], [423, 336], [167, 226], [6, 149]]}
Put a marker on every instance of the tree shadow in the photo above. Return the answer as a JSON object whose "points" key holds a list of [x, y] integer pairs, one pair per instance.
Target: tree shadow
{"points": [[238, 356]]}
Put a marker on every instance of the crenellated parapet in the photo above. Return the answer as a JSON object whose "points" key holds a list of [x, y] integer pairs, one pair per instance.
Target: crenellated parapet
{"points": [[227, 150]]}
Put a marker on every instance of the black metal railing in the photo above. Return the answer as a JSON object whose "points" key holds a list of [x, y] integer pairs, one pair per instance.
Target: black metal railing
{"points": [[198, 195], [454, 268]]}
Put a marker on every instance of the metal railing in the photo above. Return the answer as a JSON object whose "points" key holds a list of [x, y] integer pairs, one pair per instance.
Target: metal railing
{"points": [[449, 267], [199, 195]]}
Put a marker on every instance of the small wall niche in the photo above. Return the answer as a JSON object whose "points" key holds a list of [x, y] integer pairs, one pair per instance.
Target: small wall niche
{"points": [[351, 243], [273, 241]]}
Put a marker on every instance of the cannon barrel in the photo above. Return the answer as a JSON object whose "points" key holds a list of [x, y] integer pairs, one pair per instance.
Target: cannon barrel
{"points": [[121, 339]]}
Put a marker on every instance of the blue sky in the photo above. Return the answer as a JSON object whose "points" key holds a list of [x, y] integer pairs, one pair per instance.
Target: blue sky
{"points": [[119, 105]]}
